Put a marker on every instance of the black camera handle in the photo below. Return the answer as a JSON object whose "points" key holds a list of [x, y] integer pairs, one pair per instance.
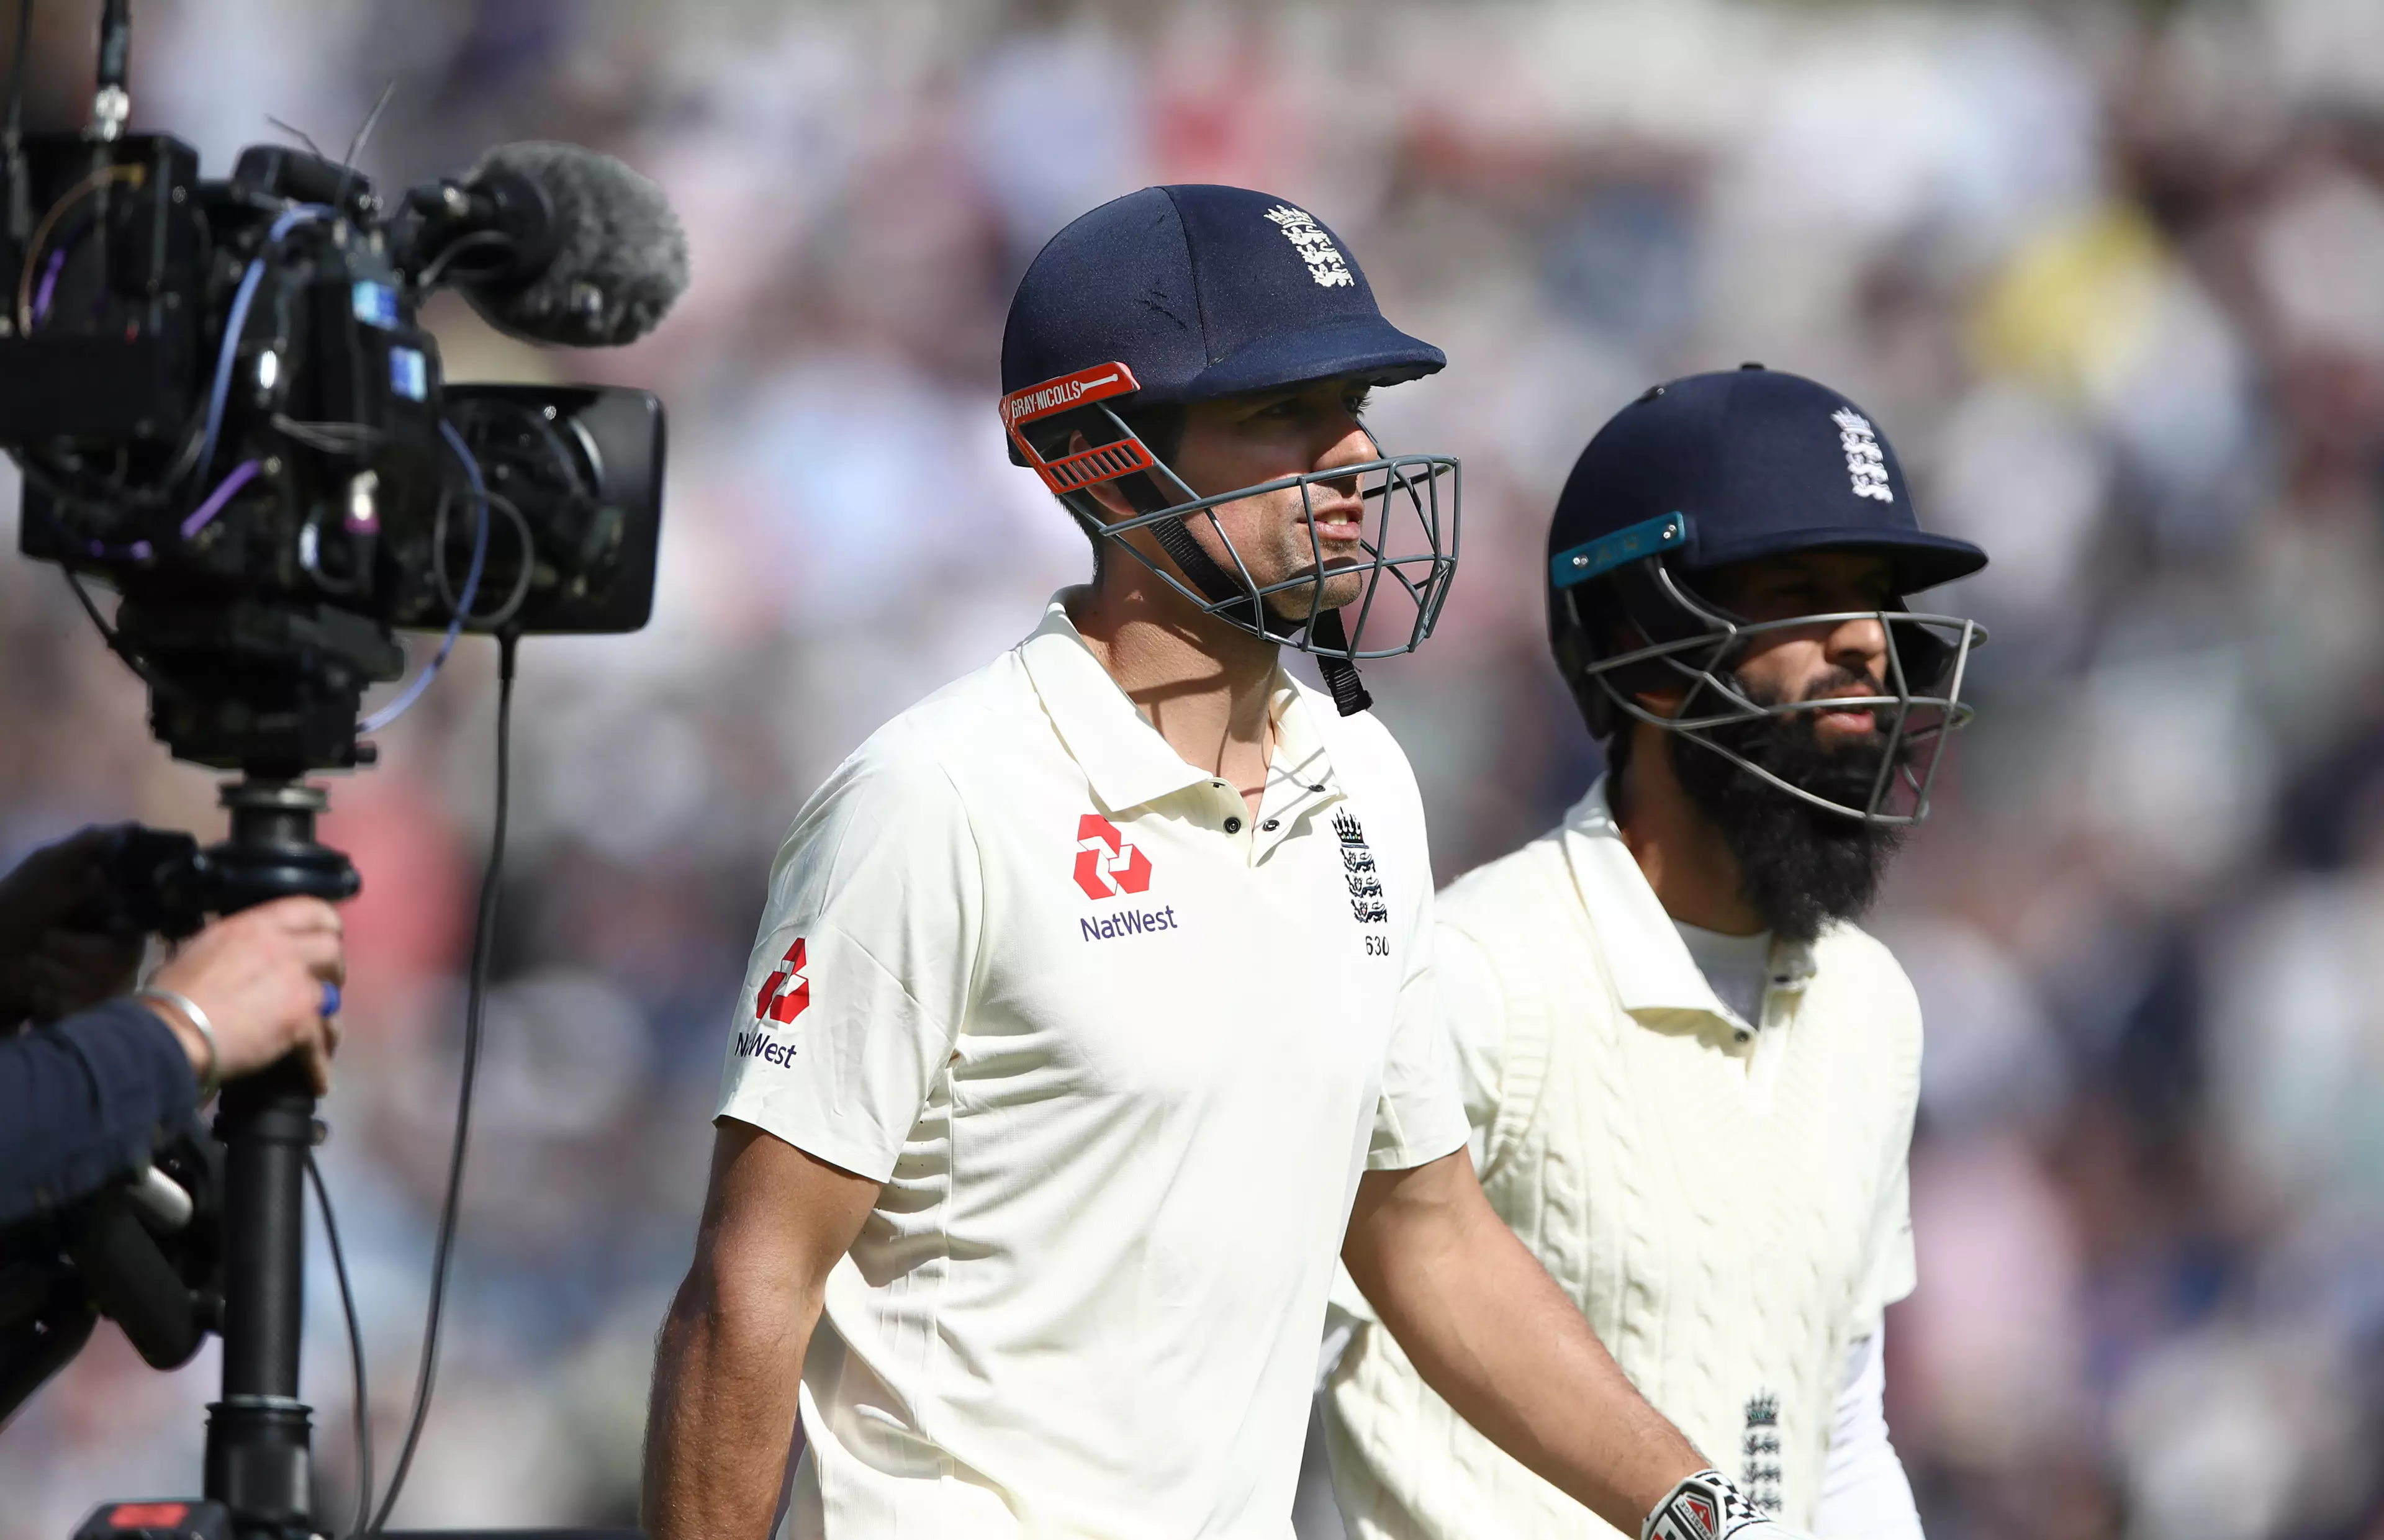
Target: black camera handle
{"points": [[259, 1460]]}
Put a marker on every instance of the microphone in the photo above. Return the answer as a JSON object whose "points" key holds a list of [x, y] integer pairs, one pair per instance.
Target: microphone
{"points": [[553, 244]]}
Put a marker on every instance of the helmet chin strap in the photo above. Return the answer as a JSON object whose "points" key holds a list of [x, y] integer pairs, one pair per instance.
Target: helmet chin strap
{"points": [[1340, 674], [1204, 573], [1349, 695]]}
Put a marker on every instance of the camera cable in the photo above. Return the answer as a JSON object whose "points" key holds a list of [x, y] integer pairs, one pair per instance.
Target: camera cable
{"points": [[236, 322], [26, 312], [525, 572], [461, 246], [413, 692], [483, 940], [356, 1348]]}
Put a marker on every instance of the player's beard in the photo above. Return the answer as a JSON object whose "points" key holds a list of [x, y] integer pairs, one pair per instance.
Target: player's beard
{"points": [[1800, 867]]}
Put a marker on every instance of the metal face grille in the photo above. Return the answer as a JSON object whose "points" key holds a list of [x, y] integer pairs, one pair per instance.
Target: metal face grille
{"points": [[1919, 704], [1405, 556]]}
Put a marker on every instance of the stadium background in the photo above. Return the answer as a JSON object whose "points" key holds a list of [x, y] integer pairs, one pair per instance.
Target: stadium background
{"points": [[2112, 278]]}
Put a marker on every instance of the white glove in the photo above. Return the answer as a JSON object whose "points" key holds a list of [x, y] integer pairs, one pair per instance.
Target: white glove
{"points": [[1707, 1507]]}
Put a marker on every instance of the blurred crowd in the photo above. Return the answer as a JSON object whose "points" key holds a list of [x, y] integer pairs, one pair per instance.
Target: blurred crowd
{"points": [[2112, 278]]}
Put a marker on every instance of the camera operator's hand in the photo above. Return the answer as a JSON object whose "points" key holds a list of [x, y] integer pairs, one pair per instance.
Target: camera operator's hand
{"points": [[259, 977], [46, 970]]}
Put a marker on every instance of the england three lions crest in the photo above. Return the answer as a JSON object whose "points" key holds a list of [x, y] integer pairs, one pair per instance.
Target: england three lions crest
{"points": [[1325, 264], [1359, 872], [1866, 462]]}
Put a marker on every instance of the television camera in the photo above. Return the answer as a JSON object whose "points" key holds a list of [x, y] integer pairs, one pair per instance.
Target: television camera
{"points": [[224, 408]]}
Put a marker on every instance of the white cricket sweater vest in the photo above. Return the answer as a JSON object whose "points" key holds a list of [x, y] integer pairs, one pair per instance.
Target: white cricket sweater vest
{"points": [[1728, 1209]]}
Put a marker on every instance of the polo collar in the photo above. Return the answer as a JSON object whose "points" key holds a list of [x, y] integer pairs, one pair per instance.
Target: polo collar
{"points": [[1121, 754], [1300, 758], [1645, 955]]}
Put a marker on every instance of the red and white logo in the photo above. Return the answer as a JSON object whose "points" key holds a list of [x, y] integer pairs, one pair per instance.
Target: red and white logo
{"points": [[778, 1003], [1102, 461], [1106, 864]]}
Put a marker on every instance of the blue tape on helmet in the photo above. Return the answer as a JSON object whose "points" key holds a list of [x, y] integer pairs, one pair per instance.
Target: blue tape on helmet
{"points": [[1608, 551]]}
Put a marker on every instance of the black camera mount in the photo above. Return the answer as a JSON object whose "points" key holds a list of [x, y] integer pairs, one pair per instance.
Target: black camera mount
{"points": [[259, 1458], [237, 1262]]}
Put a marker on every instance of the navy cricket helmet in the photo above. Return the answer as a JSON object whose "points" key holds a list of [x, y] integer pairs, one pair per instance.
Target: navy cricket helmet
{"points": [[1736, 466], [1175, 295]]}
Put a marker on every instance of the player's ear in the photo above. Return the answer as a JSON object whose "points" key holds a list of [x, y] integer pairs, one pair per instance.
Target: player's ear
{"points": [[1621, 637], [1106, 493]]}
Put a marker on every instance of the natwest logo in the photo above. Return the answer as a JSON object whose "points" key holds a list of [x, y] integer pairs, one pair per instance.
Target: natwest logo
{"points": [[1106, 864], [778, 1002]]}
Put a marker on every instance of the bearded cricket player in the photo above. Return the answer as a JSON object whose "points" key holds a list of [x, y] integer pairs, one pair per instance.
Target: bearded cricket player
{"points": [[1690, 1078], [1092, 1013]]}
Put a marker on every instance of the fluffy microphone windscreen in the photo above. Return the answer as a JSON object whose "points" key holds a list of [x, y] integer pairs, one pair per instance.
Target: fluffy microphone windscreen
{"points": [[620, 257]]}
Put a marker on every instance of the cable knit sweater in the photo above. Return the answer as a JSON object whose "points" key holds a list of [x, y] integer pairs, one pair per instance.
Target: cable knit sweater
{"points": [[1725, 1200]]}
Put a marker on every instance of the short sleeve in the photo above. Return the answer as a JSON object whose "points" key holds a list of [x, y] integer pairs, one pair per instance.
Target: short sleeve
{"points": [[1421, 1114], [1473, 1016], [861, 973], [1892, 1272]]}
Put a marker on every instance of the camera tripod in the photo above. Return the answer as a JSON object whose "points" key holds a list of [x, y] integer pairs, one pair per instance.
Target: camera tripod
{"points": [[259, 1464], [239, 1254], [259, 1460], [225, 1250]]}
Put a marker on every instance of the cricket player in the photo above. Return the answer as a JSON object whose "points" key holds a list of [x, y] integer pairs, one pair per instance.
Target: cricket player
{"points": [[1092, 1010], [1690, 1078]]}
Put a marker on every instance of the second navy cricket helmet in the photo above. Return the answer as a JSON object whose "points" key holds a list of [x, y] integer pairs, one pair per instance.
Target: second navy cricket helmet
{"points": [[1175, 295], [1733, 466]]}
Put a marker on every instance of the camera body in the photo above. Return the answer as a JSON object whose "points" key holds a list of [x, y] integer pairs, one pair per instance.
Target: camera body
{"points": [[225, 408]]}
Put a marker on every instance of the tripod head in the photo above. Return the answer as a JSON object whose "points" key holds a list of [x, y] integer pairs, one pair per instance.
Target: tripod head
{"points": [[159, 882]]}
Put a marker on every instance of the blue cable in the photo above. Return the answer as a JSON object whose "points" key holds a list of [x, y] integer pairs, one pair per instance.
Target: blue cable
{"points": [[413, 692], [237, 321]]}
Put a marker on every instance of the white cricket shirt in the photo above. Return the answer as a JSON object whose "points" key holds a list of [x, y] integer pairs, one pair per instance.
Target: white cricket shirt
{"points": [[1119, 1053], [1722, 1195]]}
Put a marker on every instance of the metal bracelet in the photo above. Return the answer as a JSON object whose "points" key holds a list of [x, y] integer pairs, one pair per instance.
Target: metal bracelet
{"points": [[188, 1009]]}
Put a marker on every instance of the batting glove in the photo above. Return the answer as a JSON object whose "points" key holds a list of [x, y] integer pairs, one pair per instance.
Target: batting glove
{"points": [[1707, 1507]]}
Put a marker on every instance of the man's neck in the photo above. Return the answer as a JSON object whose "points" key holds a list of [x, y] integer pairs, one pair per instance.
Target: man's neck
{"points": [[1681, 853], [1205, 686]]}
